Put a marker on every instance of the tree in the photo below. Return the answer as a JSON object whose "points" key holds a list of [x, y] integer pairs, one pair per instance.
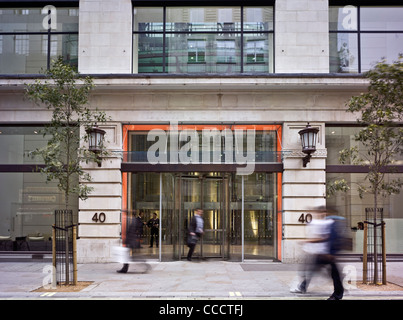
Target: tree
{"points": [[66, 94], [380, 110]]}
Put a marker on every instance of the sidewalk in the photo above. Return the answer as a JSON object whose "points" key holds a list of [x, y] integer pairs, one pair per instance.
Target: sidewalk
{"points": [[190, 280]]}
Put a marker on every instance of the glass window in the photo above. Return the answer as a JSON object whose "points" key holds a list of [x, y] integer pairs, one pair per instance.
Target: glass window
{"points": [[217, 54], [376, 46], [258, 53], [362, 36], [343, 53], [339, 138], [148, 19], [349, 204], [217, 19], [343, 18], [28, 203], [352, 207], [17, 142], [27, 200], [266, 145], [148, 58], [203, 40], [196, 51], [258, 19], [381, 18], [24, 52]]}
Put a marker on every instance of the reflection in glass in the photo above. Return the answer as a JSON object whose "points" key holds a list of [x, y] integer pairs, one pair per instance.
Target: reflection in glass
{"points": [[65, 45], [202, 40], [28, 204], [148, 19], [215, 53], [378, 46], [343, 52], [258, 53], [258, 18], [352, 207], [23, 53], [260, 217], [16, 144], [339, 138], [381, 18], [343, 18], [148, 53], [192, 19]]}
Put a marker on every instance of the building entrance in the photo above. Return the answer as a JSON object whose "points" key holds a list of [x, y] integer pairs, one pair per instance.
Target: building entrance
{"points": [[208, 192], [240, 213]]}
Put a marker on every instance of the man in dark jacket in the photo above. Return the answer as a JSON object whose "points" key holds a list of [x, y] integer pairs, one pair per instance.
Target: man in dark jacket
{"points": [[154, 224], [196, 230]]}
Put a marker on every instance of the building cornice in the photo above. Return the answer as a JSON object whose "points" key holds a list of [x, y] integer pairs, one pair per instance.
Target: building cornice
{"points": [[275, 82]]}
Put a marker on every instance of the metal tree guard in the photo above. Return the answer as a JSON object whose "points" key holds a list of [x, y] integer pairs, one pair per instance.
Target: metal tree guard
{"points": [[374, 254], [64, 247]]}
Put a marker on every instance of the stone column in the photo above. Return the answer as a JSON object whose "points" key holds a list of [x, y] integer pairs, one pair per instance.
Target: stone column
{"points": [[304, 189], [302, 36], [105, 36], [99, 216]]}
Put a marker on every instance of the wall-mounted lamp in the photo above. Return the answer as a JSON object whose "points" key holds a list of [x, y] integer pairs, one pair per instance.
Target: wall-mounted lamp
{"points": [[96, 138], [308, 140]]}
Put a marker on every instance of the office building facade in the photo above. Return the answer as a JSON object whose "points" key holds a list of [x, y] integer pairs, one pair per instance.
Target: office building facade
{"points": [[206, 101]]}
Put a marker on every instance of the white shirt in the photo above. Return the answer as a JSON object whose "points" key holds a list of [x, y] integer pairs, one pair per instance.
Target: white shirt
{"points": [[318, 229], [199, 224]]}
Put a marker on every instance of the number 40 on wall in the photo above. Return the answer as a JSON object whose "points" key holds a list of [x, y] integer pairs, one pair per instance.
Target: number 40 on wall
{"points": [[305, 218], [99, 217]]}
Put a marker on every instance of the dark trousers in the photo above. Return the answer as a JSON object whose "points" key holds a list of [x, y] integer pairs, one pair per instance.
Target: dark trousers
{"points": [[191, 250], [318, 262], [154, 234], [192, 245]]}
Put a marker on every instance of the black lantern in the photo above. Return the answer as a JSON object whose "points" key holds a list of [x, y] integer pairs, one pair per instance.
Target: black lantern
{"points": [[309, 137], [96, 138]]}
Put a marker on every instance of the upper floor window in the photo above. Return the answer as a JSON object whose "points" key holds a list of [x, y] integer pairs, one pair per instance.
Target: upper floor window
{"points": [[203, 39], [31, 37], [360, 36]]}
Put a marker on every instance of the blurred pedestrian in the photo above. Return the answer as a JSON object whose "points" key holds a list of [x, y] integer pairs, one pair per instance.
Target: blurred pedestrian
{"points": [[196, 230], [320, 252], [133, 238]]}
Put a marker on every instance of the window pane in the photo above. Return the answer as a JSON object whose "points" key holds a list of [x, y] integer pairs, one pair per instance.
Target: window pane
{"points": [[258, 18], [35, 20], [222, 54], [17, 142], [28, 206], [339, 138], [352, 207], [65, 45], [147, 53], [343, 18], [376, 46], [21, 20], [258, 53], [67, 20], [219, 19], [148, 19], [343, 52], [381, 18], [22, 54]]}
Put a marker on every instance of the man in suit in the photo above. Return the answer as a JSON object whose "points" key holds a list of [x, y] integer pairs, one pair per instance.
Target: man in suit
{"points": [[196, 230]]}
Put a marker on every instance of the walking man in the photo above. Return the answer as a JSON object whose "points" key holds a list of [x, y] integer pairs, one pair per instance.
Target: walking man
{"points": [[196, 230]]}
